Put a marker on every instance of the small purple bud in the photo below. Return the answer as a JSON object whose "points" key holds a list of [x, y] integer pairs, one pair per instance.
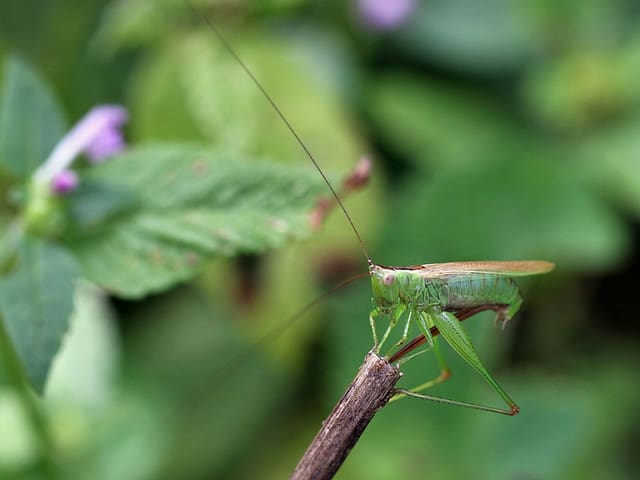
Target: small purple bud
{"points": [[385, 14], [64, 182]]}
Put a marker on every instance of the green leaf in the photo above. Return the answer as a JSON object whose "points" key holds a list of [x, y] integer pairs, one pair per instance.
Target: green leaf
{"points": [[433, 124], [92, 342], [127, 23], [585, 88], [611, 161], [31, 121], [190, 204], [492, 36], [172, 96], [36, 301], [210, 355], [94, 203]]}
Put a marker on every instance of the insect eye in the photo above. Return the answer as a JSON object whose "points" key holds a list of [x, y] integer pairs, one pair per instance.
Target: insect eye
{"points": [[387, 279]]}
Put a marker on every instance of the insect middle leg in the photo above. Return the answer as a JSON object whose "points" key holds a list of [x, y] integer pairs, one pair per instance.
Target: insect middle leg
{"points": [[405, 332], [427, 326], [461, 314]]}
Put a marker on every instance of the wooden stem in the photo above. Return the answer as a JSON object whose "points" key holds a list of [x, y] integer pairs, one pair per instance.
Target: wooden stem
{"points": [[370, 390]]}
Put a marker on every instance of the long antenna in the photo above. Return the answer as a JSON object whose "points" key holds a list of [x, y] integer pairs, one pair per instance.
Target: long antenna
{"points": [[275, 107]]}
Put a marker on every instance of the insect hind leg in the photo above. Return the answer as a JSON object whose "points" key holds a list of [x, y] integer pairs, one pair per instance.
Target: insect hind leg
{"points": [[504, 312], [449, 325], [509, 311], [452, 331], [514, 410]]}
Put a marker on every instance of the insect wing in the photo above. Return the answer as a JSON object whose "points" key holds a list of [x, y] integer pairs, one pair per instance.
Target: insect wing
{"points": [[506, 268]]}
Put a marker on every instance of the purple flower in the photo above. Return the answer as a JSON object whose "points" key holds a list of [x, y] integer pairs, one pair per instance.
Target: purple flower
{"points": [[103, 129], [64, 182], [98, 135], [385, 14]]}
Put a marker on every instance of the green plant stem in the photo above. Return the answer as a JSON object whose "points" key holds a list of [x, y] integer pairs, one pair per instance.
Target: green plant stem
{"points": [[30, 403]]}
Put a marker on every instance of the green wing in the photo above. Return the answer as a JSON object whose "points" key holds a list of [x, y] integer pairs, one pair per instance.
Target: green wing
{"points": [[506, 268]]}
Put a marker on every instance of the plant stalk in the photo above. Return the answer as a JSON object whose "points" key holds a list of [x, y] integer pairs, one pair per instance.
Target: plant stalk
{"points": [[30, 404], [370, 390]]}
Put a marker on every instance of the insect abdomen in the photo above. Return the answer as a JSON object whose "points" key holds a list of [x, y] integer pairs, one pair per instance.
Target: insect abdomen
{"points": [[475, 290]]}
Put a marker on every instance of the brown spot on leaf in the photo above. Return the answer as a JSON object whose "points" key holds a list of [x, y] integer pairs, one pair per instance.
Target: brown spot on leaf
{"points": [[279, 225], [156, 257], [199, 167], [191, 258], [222, 233]]}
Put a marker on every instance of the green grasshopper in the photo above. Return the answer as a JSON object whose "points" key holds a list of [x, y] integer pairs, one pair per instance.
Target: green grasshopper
{"points": [[436, 296]]}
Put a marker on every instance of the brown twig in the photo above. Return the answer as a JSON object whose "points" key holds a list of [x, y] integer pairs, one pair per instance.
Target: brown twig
{"points": [[370, 390]]}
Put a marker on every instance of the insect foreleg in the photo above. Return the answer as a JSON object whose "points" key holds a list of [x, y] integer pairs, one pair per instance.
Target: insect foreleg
{"points": [[375, 313], [395, 316]]}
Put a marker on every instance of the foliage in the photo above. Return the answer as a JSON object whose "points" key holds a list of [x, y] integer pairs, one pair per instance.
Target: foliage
{"points": [[186, 204], [30, 121], [153, 297], [36, 303]]}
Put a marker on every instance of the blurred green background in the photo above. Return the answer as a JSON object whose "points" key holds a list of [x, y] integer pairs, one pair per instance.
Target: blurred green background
{"points": [[499, 130]]}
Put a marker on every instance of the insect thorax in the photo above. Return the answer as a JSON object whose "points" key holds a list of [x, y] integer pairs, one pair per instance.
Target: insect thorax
{"points": [[393, 287]]}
